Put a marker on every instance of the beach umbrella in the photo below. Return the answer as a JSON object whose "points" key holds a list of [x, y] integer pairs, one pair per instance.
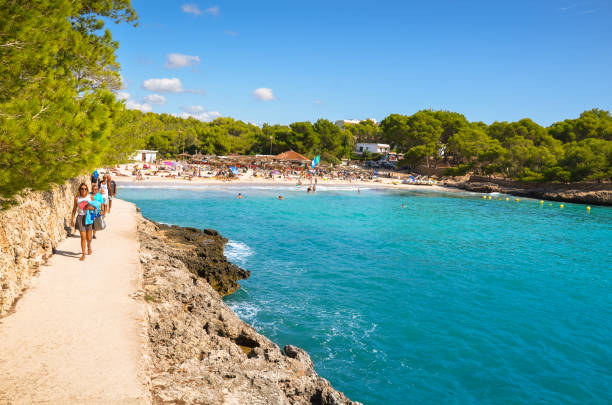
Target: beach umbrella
{"points": [[315, 161]]}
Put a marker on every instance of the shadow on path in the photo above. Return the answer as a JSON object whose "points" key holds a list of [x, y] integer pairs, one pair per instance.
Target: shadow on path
{"points": [[66, 253]]}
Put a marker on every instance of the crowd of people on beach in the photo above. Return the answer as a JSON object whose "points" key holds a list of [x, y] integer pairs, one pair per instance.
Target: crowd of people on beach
{"points": [[91, 208], [228, 172]]}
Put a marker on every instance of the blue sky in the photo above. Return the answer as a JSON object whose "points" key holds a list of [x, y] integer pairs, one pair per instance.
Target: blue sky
{"points": [[285, 61]]}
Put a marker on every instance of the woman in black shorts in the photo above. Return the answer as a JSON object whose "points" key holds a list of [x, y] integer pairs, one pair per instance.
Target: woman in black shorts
{"points": [[81, 202]]}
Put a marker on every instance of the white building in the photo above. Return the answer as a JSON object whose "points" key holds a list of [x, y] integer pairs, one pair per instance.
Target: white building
{"points": [[147, 156], [372, 148], [342, 123]]}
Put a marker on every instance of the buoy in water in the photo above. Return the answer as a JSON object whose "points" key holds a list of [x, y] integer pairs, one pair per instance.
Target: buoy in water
{"points": [[484, 197], [588, 208], [561, 206], [507, 199], [550, 205], [489, 197], [541, 201], [517, 200]]}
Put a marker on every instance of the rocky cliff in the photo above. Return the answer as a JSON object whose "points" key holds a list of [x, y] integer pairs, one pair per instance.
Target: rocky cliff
{"points": [[202, 254], [201, 352], [29, 232], [581, 192]]}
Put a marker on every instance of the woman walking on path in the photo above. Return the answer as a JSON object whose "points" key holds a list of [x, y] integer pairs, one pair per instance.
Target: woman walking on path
{"points": [[104, 189], [98, 197], [112, 192], [81, 205]]}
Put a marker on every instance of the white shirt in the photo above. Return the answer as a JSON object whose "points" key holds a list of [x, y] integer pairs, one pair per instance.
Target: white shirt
{"points": [[104, 190]]}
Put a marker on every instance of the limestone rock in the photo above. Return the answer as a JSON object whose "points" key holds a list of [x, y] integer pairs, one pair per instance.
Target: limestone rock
{"points": [[202, 353], [599, 193], [202, 254]]}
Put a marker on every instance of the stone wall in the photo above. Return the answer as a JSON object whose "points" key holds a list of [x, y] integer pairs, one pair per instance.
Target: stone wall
{"points": [[29, 231]]}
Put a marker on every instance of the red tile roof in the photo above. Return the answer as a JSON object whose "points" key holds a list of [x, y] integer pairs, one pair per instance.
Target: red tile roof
{"points": [[291, 155]]}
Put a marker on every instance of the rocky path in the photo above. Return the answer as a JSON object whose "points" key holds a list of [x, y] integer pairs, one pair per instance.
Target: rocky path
{"points": [[77, 335]]}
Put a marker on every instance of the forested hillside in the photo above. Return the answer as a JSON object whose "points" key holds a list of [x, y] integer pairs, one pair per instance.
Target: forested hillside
{"points": [[570, 150]]}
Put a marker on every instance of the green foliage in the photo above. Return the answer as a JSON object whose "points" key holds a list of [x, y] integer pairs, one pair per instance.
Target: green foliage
{"points": [[330, 158], [570, 150], [365, 132], [417, 135], [172, 135], [472, 143], [58, 118], [589, 159], [522, 150], [459, 170]]}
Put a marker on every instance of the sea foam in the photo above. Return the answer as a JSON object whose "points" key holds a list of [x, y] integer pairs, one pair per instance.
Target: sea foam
{"points": [[237, 252]]}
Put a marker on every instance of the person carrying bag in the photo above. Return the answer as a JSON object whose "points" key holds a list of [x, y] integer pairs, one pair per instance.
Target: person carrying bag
{"points": [[99, 223]]}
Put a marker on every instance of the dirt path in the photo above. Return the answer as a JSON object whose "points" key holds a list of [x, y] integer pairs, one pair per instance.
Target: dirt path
{"points": [[76, 335]]}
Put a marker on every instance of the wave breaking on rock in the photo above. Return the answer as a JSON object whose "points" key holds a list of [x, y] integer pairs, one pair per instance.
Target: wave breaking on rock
{"points": [[201, 352]]}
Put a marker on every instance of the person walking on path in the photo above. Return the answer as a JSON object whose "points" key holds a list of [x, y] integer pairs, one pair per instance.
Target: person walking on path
{"points": [[98, 197], [104, 189], [112, 193], [81, 205], [95, 178]]}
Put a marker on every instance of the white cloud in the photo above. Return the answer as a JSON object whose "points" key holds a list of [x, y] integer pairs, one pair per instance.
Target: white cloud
{"points": [[179, 60], [213, 10], [163, 85], [231, 33], [155, 99], [123, 95], [198, 112], [134, 105], [191, 9], [263, 94]]}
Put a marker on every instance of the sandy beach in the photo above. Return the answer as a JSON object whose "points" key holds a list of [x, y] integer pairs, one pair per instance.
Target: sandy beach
{"points": [[260, 181]]}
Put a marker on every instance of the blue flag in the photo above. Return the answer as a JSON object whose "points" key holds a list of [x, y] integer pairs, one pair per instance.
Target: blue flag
{"points": [[315, 161]]}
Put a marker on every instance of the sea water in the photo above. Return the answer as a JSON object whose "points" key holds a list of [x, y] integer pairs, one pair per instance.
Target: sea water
{"points": [[452, 299]]}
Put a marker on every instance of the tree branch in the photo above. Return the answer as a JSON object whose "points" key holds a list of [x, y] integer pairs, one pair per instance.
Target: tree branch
{"points": [[14, 44]]}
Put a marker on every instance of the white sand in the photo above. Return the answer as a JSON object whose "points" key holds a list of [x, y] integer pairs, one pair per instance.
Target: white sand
{"points": [[259, 181], [76, 335]]}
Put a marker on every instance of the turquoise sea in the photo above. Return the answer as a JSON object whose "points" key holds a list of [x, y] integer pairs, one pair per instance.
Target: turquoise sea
{"points": [[452, 299]]}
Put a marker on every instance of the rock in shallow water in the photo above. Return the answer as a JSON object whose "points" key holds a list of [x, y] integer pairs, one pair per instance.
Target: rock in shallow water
{"points": [[202, 253]]}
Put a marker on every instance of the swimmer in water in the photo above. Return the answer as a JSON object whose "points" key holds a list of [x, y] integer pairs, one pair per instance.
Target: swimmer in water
{"points": [[403, 205], [358, 191], [239, 196], [309, 190], [280, 197]]}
